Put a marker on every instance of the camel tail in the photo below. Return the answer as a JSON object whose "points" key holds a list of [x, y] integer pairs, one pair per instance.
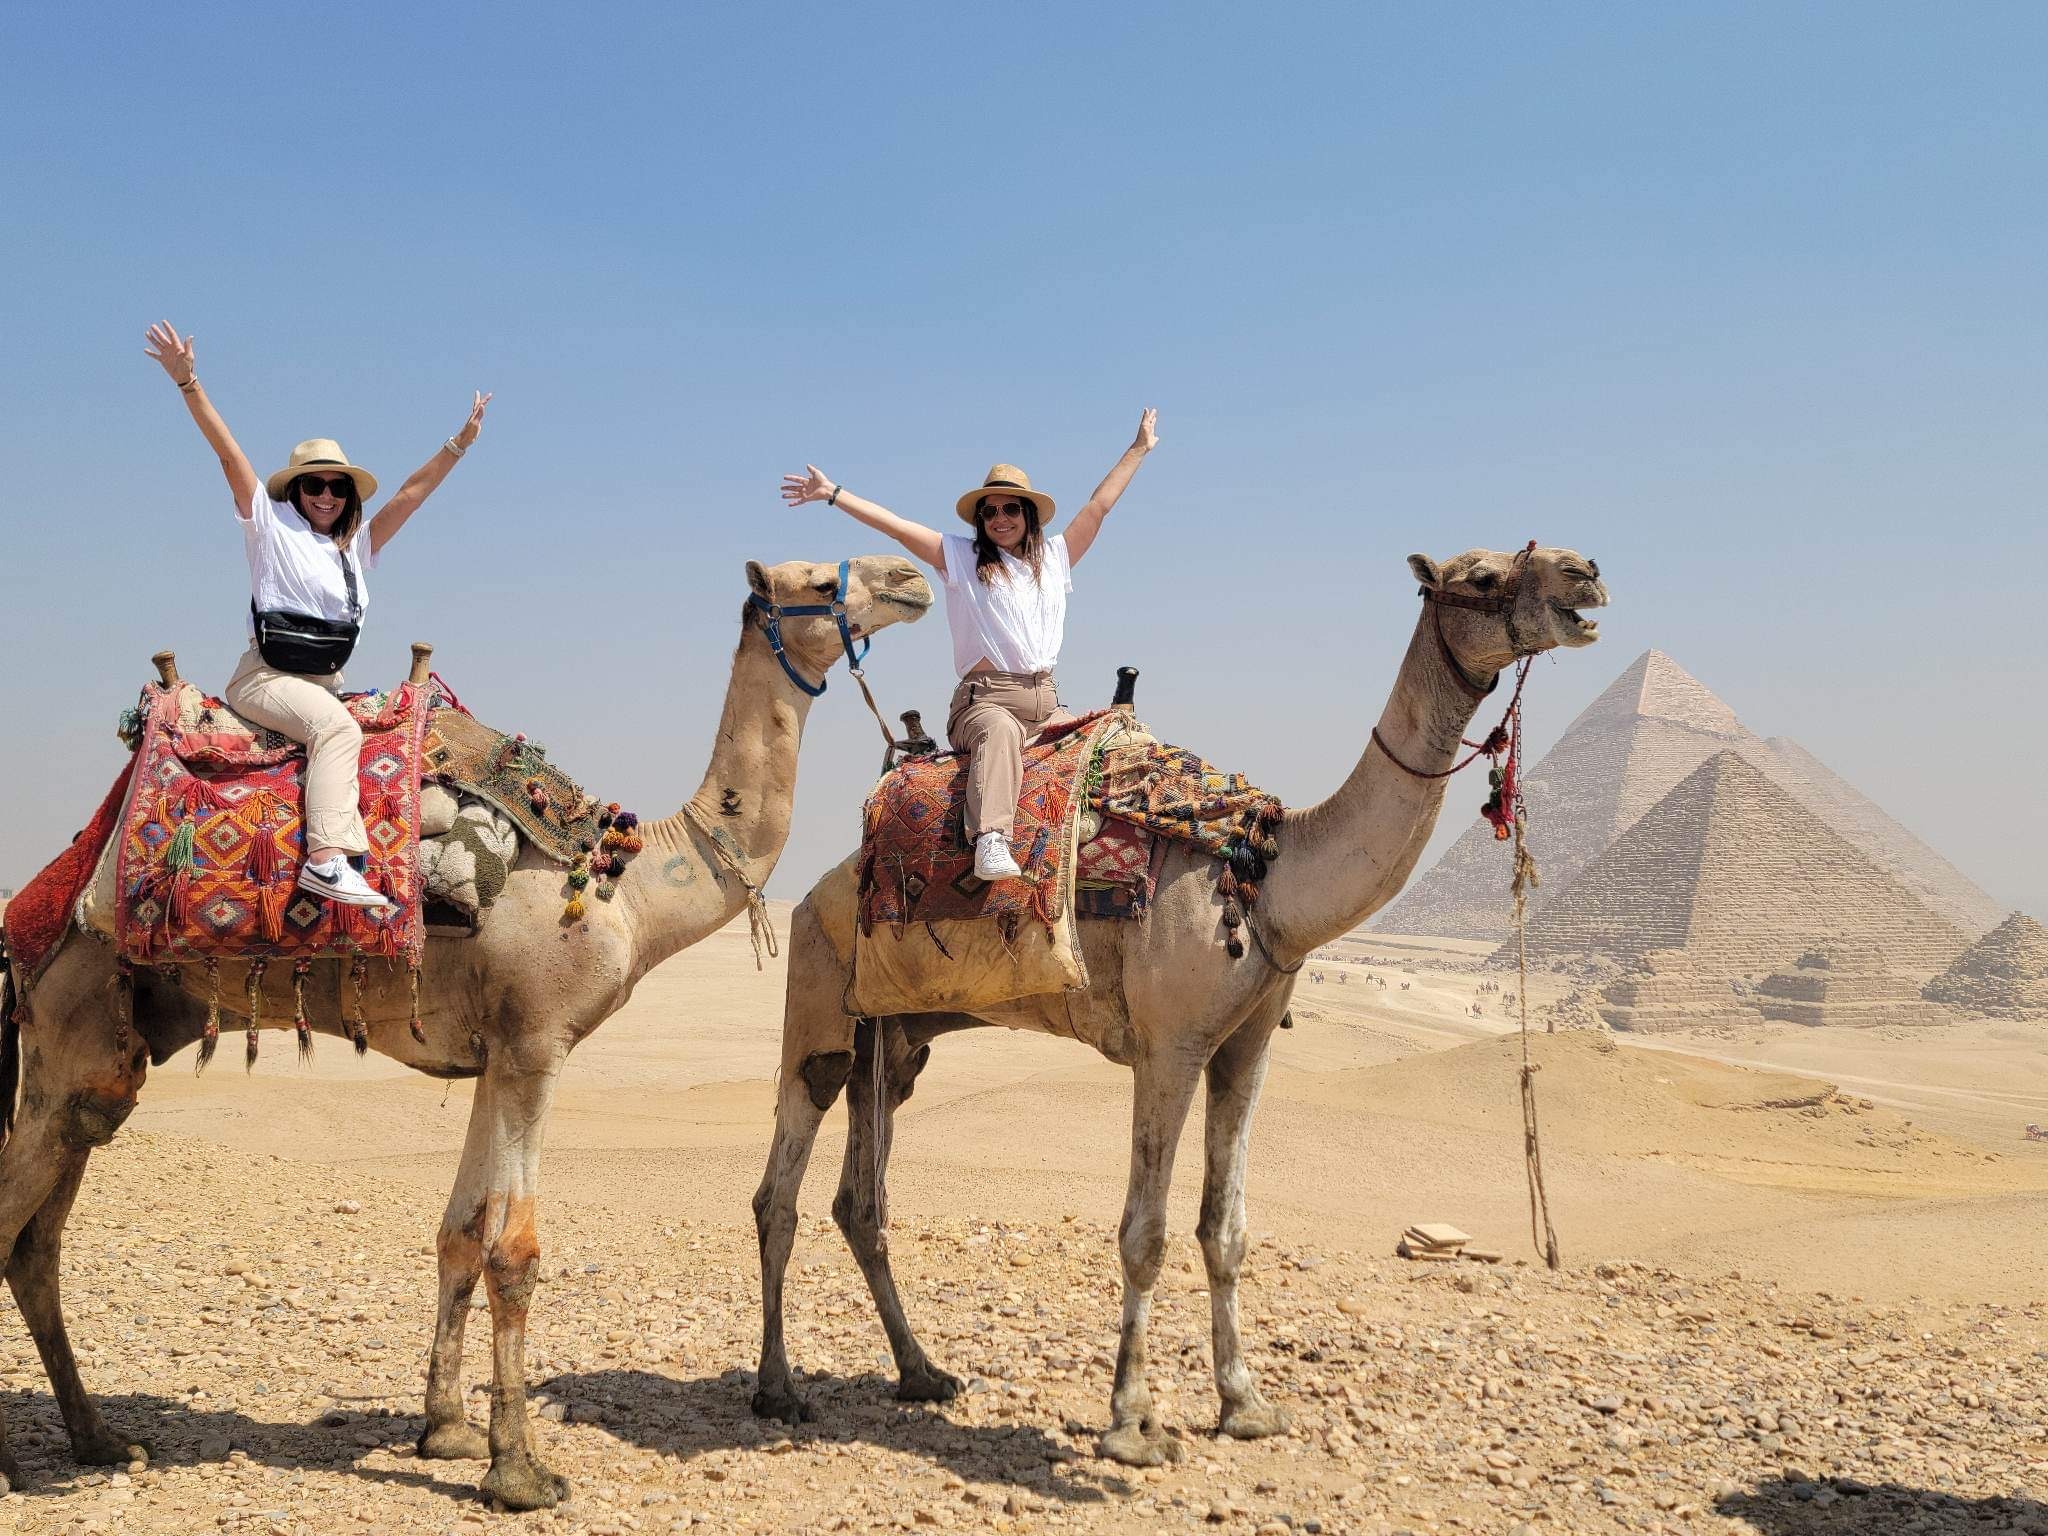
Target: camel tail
{"points": [[10, 1046]]}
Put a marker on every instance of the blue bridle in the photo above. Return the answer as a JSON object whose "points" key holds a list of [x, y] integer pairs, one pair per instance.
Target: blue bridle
{"points": [[777, 612]]}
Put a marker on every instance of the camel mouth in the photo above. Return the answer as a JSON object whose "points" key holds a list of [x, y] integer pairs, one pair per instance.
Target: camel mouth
{"points": [[911, 602], [1577, 624]]}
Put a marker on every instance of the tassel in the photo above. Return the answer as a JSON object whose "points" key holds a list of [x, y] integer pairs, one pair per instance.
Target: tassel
{"points": [[209, 1038], [299, 970], [578, 879], [359, 1029], [179, 855], [573, 912], [178, 903], [625, 821], [612, 838], [606, 890], [633, 843], [255, 1011], [1226, 883], [1233, 916], [617, 867], [1234, 947], [418, 1032], [1248, 893]]}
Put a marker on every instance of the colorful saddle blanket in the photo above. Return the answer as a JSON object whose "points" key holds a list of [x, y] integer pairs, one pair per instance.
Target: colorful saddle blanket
{"points": [[210, 839], [933, 936]]}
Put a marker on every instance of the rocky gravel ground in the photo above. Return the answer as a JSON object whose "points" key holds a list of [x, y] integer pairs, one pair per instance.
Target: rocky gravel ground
{"points": [[262, 1324]]}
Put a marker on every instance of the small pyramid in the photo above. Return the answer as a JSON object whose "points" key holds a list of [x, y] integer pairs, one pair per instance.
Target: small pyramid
{"points": [[2004, 974], [1649, 728], [1730, 876]]}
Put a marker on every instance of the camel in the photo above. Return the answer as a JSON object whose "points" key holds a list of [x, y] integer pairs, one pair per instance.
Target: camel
{"points": [[505, 1007], [1164, 999]]}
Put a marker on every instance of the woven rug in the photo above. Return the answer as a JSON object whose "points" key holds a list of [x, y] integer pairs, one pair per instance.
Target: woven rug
{"points": [[210, 843], [931, 935], [39, 911]]}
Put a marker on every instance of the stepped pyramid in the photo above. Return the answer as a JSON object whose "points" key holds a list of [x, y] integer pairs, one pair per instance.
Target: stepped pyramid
{"points": [[1652, 726], [2004, 974], [1733, 872]]}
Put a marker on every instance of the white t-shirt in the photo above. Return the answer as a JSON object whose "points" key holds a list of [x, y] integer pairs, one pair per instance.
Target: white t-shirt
{"points": [[295, 569], [1017, 624]]}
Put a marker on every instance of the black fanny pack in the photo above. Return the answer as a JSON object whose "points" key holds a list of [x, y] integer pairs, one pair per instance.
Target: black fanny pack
{"points": [[298, 642]]}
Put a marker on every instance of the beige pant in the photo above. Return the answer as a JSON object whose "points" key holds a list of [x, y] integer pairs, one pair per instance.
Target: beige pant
{"points": [[992, 716], [306, 710]]}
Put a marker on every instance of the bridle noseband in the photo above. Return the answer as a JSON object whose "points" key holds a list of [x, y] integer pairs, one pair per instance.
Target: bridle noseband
{"points": [[777, 612], [1500, 603]]}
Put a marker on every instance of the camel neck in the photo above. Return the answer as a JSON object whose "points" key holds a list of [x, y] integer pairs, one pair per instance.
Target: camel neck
{"points": [[1344, 859], [680, 888]]}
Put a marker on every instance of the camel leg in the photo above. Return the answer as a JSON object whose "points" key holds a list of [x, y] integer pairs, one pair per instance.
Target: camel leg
{"points": [[817, 1053], [1162, 1092], [449, 1436], [797, 1117], [489, 1228], [69, 1104], [860, 1207], [32, 1271], [1235, 1073]]}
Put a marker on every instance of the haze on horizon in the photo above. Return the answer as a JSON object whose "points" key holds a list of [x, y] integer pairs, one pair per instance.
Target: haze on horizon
{"points": [[1743, 303]]}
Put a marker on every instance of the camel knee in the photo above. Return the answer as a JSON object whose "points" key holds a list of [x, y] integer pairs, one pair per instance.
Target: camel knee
{"points": [[92, 1116], [512, 1265], [1222, 1247], [460, 1247], [824, 1074], [1142, 1242]]}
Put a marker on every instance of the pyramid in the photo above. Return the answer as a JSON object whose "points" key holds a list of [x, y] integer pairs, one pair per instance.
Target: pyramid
{"points": [[1732, 873], [2004, 974], [1652, 726]]}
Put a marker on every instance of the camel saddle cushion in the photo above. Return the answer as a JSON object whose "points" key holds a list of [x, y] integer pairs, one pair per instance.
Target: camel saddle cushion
{"points": [[933, 936], [1100, 802], [209, 842]]}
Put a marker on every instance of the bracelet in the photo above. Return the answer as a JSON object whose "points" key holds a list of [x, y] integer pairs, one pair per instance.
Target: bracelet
{"points": [[189, 385], [455, 448], [833, 499]]}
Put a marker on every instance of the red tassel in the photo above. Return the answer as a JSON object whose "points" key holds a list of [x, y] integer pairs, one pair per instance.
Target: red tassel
{"points": [[180, 898]]}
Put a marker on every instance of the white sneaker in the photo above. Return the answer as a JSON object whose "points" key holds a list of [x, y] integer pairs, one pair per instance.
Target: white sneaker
{"points": [[992, 859], [337, 880]]}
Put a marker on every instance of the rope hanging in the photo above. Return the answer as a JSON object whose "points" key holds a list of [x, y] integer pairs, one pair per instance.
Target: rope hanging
{"points": [[759, 928], [1507, 806]]}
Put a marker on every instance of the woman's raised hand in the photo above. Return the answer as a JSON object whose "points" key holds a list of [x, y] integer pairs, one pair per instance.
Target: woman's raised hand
{"points": [[811, 485], [475, 424], [175, 355], [1148, 431]]}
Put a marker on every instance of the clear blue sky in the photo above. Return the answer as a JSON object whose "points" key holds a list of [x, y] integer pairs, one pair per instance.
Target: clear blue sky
{"points": [[1743, 300]]}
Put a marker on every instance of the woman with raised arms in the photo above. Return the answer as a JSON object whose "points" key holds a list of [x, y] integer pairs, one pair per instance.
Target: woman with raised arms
{"points": [[304, 535], [1006, 602]]}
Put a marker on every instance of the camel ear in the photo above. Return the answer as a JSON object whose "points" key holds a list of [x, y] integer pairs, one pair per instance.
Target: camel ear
{"points": [[1426, 571], [757, 578]]}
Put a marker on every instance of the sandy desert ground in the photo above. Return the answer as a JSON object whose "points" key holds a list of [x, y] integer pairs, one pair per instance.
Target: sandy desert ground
{"points": [[1803, 1288]]}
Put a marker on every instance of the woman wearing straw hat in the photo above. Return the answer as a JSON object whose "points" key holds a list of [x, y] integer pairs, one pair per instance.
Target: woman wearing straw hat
{"points": [[1006, 602], [302, 530]]}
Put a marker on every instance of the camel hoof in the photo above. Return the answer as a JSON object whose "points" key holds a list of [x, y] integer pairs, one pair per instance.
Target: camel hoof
{"points": [[927, 1384], [103, 1448], [521, 1482], [1254, 1421], [459, 1441], [784, 1405], [1132, 1445]]}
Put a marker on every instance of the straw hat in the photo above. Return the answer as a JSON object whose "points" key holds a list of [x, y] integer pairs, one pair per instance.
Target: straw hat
{"points": [[318, 453], [1006, 477]]}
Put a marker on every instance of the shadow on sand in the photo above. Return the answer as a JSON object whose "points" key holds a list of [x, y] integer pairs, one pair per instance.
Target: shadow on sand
{"points": [[1828, 1506], [685, 1418], [682, 1418]]}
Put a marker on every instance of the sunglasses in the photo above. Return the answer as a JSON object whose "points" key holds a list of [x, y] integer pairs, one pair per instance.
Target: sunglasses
{"points": [[1005, 509], [313, 485]]}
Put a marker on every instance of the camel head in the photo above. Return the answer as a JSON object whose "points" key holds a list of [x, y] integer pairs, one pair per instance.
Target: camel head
{"points": [[1494, 608], [880, 590]]}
